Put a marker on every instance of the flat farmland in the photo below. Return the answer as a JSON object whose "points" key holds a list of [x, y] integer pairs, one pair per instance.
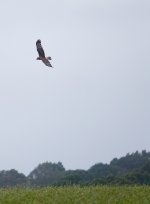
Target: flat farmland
{"points": [[76, 195]]}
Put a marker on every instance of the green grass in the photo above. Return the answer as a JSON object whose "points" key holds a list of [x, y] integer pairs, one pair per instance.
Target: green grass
{"points": [[76, 195]]}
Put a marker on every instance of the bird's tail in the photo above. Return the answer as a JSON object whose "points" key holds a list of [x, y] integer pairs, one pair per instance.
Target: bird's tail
{"points": [[49, 58]]}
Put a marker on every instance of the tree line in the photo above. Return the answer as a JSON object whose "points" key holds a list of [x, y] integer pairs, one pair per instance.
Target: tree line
{"points": [[131, 169]]}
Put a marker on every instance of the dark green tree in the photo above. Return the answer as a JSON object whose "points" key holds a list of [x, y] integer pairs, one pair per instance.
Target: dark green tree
{"points": [[46, 174], [12, 178]]}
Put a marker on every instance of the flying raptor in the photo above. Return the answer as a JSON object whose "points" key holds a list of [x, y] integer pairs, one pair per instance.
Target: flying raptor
{"points": [[41, 53]]}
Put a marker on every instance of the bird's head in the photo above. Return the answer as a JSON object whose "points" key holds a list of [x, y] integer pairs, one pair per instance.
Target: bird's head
{"points": [[38, 41]]}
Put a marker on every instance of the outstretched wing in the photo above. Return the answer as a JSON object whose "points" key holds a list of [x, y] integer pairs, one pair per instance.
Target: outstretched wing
{"points": [[40, 49], [41, 52]]}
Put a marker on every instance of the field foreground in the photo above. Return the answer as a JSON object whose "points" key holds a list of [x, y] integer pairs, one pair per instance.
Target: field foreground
{"points": [[76, 195]]}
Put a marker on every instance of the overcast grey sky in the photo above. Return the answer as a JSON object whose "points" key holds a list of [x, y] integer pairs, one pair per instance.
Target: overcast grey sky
{"points": [[95, 104]]}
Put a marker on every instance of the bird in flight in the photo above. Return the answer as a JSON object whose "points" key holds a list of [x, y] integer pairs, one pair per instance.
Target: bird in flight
{"points": [[41, 53]]}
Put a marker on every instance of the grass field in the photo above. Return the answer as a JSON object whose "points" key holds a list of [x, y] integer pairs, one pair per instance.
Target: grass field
{"points": [[76, 195]]}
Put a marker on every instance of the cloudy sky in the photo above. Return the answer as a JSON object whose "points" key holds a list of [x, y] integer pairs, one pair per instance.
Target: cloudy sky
{"points": [[95, 104]]}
